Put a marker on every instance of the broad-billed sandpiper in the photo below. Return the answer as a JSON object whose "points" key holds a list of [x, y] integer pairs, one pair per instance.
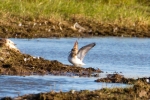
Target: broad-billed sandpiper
{"points": [[76, 56]]}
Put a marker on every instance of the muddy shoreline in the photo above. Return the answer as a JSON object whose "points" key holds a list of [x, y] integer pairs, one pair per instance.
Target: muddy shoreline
{"points": [[74, 27]]}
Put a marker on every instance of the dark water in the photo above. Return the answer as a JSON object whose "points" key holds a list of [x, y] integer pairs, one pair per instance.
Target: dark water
{"points": [[131, 56]]}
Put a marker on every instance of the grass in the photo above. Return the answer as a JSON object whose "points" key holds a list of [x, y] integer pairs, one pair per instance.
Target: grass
{"points": [[98, 10]]}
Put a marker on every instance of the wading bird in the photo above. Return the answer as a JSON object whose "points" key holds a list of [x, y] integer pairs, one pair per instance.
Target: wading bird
{"points": [[76, 56]]}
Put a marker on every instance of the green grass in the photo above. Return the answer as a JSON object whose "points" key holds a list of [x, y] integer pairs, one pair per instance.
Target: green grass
{"points": [[99, 10]]}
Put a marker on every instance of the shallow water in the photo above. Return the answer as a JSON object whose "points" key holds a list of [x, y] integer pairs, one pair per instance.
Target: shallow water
{"points": [[127, 55]]}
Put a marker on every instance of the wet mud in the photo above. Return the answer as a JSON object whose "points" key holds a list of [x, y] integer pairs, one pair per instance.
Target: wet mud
{"points": [[116, 78], [74, 27], [13, 62]]}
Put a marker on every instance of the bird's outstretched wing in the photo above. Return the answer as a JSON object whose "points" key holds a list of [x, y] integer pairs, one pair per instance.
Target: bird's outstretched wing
{"points": [[83, 51]]}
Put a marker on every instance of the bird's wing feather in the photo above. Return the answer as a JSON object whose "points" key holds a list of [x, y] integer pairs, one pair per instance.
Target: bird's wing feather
{"points": [[83, 51]]}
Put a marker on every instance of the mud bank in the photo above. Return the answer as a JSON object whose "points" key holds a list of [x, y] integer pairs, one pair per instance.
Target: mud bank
{"points": [[117, 78], [139, 91], [74, 27], [13, 62]]}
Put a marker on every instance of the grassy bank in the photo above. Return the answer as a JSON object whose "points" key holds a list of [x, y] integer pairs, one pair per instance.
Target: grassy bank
{"points": [[55, 18], [121, 12]]}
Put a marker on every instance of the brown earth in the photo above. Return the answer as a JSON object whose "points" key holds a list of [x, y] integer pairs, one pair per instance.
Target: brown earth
{"points": [[45, 28], [116, 78]]}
